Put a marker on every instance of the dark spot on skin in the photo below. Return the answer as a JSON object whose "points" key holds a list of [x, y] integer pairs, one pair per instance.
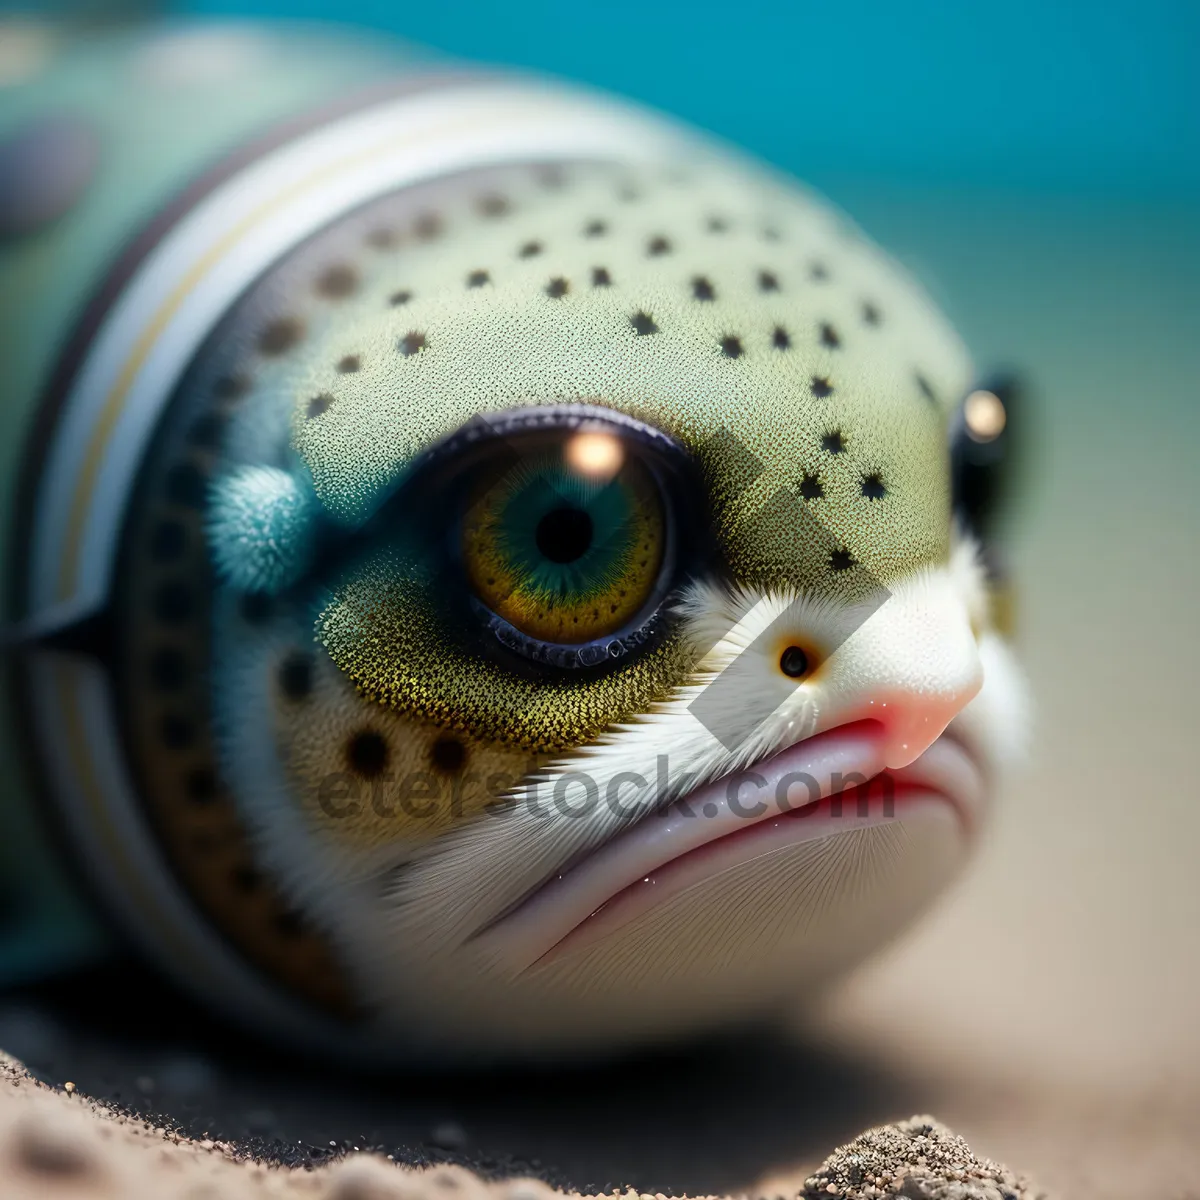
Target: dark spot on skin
{"points": [[793, 662], [643, 324], [716, 225], [349, 364], [280, 336], [168, 669], [595, 229], [412, 343], [478, 279], [870, 314], [731, 347], [337, 282], [768, 281], [319, 405], [530, 249], [256, 608], [841, 560], [367, 754], [177, 732], [206, 431], [771, 234], [245, 878], [780, 339], [627, 193], [833, 442], [811, 488], [168, 541], [447, 755], [428, 226], [551, 177], [289, 924], [926, 388], [185, 485], [819, 272], [873, 487], [296, 676], [702, 289], [231, 387], [382, 238], [557, 288], [829, 337], [200, 784], [493, 205], [396, 299], [173, 602], [601, 277], [657, 246], [821, 387]]}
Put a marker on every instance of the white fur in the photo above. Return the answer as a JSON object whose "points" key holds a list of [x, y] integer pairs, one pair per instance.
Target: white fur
{"points": [[410, 947]]}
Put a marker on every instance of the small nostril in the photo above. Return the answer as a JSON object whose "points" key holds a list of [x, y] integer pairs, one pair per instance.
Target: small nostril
{"points": [[793, 662]]}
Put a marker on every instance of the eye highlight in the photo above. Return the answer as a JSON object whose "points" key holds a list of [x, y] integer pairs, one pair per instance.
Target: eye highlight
{"points": [[566, 544]]}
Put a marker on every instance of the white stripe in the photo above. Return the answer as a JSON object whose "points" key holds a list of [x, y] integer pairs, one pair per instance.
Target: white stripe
{"points": [[308, 183]]}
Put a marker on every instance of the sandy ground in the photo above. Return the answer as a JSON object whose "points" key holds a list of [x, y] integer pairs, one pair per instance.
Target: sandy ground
{"points": [[58, 1142], [1047, 1011]]}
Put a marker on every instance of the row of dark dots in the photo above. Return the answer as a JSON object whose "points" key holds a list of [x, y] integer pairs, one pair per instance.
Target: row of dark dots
{"points": [[871, 486], [496, 204], [366, 751], [702, 289], [713, 223], [174, 606], [660, 245], [257, 609], [425, 228], [733, 346], [643, 324], [286, 332]]}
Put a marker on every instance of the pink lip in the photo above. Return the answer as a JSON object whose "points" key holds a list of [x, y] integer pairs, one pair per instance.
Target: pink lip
{"points": [[715, 827]]}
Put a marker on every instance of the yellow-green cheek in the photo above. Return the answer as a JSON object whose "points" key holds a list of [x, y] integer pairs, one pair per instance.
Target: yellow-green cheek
{"points": [[383, 629]]}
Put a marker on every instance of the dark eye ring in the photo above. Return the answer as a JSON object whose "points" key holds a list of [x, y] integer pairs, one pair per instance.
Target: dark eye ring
{"points": [[569, 531]]}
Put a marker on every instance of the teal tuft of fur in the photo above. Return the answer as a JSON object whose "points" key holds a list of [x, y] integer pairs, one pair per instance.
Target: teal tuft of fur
{"points": [[260, 528]]}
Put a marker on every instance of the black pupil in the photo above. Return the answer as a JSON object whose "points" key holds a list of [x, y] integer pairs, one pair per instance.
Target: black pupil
{"points": [[793, 661], [564, 534]]}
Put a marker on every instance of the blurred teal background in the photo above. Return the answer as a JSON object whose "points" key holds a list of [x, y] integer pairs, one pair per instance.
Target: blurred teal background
{"points": [[1093, 97]]}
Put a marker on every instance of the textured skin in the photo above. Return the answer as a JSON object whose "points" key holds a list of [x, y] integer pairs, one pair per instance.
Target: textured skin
{"points": [[526, 346], [153, 107], [322, 706], [835, 396]]}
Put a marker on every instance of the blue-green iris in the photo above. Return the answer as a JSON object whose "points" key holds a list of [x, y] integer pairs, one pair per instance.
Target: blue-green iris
{"points": [[564, 537]]}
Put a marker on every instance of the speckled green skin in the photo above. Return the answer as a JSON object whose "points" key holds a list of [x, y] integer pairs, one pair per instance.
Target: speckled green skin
{"points": [[162, 113], [804, 371], [807, 375]]}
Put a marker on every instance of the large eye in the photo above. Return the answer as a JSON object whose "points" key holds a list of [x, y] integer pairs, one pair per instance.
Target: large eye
{"points": [[567, 543], [563, 527]]}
